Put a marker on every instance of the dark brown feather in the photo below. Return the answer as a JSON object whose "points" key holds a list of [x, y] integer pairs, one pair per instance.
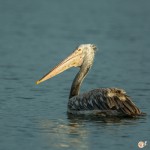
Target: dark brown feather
{"points": [[104, 100]]}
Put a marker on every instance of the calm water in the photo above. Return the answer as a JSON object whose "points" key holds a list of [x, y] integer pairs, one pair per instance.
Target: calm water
{"points": [[36, 35]]}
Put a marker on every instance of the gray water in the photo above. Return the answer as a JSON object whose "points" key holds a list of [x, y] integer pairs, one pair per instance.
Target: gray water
{"points": [[35, 35]]}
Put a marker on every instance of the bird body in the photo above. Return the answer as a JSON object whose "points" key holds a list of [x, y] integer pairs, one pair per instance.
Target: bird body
{"points": [[103, 101]]}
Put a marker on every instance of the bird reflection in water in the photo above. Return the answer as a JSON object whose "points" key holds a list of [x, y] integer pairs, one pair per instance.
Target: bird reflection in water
{"points": [[74, 133], [59, 134]]}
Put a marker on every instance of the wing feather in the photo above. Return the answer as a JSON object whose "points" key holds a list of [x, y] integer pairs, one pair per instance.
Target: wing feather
{"points": [[109, 99]]}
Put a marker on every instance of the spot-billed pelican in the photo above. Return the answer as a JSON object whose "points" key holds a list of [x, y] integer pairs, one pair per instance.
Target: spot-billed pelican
{"points": [[102, 101]]}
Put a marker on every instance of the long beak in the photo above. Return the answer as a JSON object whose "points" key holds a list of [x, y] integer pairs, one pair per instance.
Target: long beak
{"points": [[73, 60]]}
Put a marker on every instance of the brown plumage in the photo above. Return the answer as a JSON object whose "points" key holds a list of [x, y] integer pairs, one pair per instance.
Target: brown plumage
{"points": [[103, 101]]}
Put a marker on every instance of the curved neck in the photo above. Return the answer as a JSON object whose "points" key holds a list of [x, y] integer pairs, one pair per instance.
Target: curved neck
{"points": [[75, 88]]}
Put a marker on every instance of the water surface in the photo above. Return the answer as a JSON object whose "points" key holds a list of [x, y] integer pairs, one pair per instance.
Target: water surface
{"points": [[36, 35]]}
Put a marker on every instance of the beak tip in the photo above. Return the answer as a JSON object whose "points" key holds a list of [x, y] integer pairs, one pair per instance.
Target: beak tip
{"points": [[38, 82]]}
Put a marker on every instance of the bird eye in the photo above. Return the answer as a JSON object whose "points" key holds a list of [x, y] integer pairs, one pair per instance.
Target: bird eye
{"points": [[94, 47]]}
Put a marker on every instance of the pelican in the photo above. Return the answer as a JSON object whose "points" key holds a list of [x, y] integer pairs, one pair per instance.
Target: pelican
{"points": [[101, 101]]}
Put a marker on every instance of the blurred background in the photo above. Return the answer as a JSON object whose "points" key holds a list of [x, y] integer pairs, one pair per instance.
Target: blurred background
{"points": [[35, 35]]}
